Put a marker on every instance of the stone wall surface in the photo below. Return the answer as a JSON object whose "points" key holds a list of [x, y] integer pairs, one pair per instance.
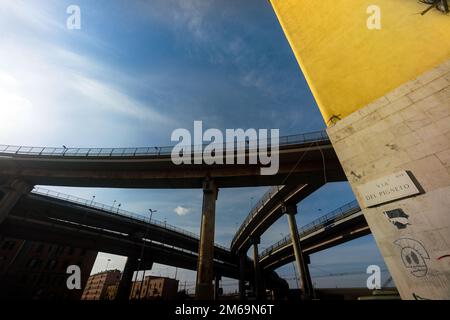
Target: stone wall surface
{"points": [[408, 129]]}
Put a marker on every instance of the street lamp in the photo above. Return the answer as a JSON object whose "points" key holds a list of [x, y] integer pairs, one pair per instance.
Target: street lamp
{"points": [[92, 201], [151, 214], [114, 203], [118, 207], [107, 264]]}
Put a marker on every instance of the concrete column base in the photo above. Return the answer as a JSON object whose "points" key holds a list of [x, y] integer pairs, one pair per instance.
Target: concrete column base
{"points": [[125, 284], [302, 266], [242, 262], [217, 287], [259, 282]]}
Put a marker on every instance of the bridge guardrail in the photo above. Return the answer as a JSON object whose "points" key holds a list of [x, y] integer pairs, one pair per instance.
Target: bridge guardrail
{"points": [[311, 137], [114, 210], [335, 215], [255, 209], [138, 151]]}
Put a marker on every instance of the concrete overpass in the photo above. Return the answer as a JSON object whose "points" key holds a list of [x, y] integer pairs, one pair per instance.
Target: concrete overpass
{"points": [[267, 211], [152, 167], [339, 226], [305, 160], [53, 217]]}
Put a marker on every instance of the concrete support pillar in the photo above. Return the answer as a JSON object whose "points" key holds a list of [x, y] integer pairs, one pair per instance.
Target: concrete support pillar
{"points": [[204, 288], [302, 266], [242, 262], [259, 285], [217, 287], [13, 192], [124, 289]]}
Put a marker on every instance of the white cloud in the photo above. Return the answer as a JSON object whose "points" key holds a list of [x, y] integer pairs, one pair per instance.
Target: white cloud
{"points": [[48, 91], [181, 211]]}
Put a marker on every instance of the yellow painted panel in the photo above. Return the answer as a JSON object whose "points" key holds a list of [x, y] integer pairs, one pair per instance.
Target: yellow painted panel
{"points": [[347, 66]]}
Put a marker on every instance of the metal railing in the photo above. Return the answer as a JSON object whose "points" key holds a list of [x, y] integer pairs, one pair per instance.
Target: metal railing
{"points": [[114, 210], [318, 136], [311, 137], [335, 215], [256, 209]]}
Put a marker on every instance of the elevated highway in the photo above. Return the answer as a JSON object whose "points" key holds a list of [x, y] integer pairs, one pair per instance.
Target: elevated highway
{"points": [[49, 216], [306, 161], [152, 167], [267, 211], [52, 217], [339, 226]]}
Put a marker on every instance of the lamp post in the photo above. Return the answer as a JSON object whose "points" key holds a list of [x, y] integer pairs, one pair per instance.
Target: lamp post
{"points": [[107, 264], [151, 214], [92, 201]]}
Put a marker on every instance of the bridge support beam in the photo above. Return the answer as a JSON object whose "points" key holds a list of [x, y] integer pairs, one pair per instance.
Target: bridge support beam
{"points": [[12, 193], [242, 262], [124, 289], [302, 267], [204, 287], [259, 285]]}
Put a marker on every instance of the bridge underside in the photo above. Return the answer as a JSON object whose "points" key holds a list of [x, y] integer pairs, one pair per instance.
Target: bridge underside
{"points": [[160, 172], [328, 237]]}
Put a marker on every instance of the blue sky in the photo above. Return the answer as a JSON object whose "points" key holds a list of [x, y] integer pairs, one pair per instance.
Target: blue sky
{"points": [[136, 71]]}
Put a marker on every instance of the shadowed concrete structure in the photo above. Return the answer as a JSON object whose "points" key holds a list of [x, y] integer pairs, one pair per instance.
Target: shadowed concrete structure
{"points": [[339, 226], [90, 225], [11, 192], [268, 210], [102, 227], [126, 282], [259, 280], [302, 267], [48, 219], [204, 289], [148, 168]]}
